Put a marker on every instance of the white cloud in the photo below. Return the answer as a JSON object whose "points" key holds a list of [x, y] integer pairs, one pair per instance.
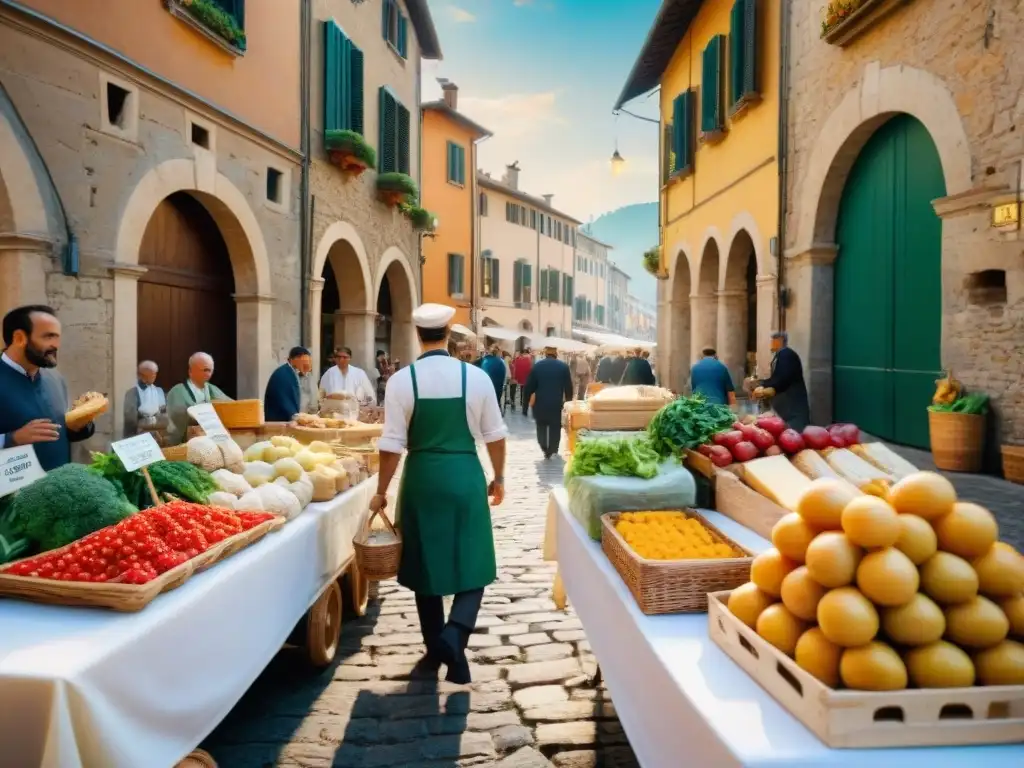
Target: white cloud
{"points": [[460, 15], [516, 115]]}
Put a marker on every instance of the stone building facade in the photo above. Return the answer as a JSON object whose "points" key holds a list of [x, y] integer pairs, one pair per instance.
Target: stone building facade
{"points": [[935, 93], [366, 269], [618, 295], [121, 152], [590, 305]]}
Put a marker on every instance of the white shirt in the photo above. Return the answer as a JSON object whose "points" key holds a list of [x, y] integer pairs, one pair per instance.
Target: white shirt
{"points": [[437, 377], [151, 400], [198, 394], [20, 370], [355, 382]]}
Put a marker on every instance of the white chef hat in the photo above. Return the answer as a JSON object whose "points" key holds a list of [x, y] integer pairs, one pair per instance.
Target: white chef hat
{"points": [[432, 315]]}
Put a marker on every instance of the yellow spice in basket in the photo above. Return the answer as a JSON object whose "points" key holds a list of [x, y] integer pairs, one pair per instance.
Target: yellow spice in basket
{"points": [[670, 536]]}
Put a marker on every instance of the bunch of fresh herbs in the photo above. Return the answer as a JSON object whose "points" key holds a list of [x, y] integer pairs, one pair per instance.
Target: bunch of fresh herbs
{"points": [[619, 457], [975, 404], [686, 423]]}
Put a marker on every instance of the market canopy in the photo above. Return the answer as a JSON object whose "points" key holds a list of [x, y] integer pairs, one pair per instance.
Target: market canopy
{"points": [[561, 344], [497, 332], [612, 339], [462, 330]]}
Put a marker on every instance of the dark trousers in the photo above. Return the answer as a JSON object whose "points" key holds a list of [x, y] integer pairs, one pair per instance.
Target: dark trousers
{"points": [[549, 435], [512, 387], [465, 608]]}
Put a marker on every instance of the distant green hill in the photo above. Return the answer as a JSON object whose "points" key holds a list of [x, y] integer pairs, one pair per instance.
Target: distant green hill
{"points": [[631, 230]]}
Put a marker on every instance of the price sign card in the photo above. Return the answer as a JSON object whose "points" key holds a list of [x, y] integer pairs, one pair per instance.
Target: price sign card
{"points": [[19, 467], [206, 417], [138, 452]]}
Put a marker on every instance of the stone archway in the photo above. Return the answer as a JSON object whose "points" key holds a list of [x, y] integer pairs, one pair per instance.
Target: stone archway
{"points": [[247, 251], [881, 94], [396, 292], [674, 353], [738, 332], [704, 301], [339, 303]]}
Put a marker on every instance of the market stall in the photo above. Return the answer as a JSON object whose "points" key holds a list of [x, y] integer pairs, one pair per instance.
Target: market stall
{"points": [[123, 690]]}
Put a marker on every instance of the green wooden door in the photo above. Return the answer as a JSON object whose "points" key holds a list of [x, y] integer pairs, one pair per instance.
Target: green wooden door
{"points": [[888, 285]]}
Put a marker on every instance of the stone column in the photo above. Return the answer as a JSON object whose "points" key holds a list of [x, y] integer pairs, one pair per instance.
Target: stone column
{"points": [[404, 343], [255, 344], [704, 323], [125, 335], [767, 320], [316, 292], [732, 333], [809, 277], [354, 328], [22, 270]]}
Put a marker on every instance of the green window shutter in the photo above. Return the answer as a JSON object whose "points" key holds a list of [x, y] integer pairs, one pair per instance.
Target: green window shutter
{"points": [[686, 132], [451, 273], [711, 87], [750, 73], [542, 286], [388, 154], [527, 282], [517, 281], [495, 278], [402, 138], [462, 166], [462, 274], [737, 43], [553, 288], [355, 92], [386, 17], [402, 36], [336, 77], [451, 161]]}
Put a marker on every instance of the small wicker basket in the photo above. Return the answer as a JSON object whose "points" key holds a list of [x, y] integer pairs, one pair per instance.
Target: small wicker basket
{"points": [[957, 440], [239, 414], [1013, 463], [377, 562]]}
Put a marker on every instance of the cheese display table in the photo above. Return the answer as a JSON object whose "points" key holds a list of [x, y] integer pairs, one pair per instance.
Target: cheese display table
{"points": [[86, 687], [680, 699]]}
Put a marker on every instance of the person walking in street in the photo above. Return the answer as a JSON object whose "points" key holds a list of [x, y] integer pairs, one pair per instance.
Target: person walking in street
{"points": [[710, 378], [494, 367], [521, 368], [384, 371], [195, 390], [35, 395], [283, 396], [436, 410], [145, 404], [582, 376], [785, 386], [548, 388], [638, 370]]}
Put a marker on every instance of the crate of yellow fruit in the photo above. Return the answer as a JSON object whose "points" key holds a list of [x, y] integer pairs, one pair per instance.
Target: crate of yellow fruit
{"points": [[671, 560]]}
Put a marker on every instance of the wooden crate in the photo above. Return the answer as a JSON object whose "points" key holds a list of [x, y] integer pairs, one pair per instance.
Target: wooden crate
{"points": [[239, 414], [673, 586], [127, 597], [736, 500], [859, 719]]}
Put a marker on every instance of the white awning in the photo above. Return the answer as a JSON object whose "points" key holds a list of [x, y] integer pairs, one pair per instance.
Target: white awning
{"points": [[497, 332], [462, 330], [562, 345]]}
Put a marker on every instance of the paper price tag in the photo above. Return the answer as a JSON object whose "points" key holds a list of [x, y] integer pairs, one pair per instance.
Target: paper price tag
{"points": [[138, 452], [19, 466], [206, 417]]}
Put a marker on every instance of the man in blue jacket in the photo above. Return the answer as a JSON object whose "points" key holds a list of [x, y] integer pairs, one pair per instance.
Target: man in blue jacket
{"points": [[494, 367], [548, 389], [283, 398], [711, 378]]}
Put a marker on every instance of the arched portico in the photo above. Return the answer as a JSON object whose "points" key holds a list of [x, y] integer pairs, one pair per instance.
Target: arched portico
{"points": [[674, 350], [396, 281], [340, 310]]}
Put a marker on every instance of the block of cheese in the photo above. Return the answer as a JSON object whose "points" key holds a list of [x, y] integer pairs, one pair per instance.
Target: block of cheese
{"points": [[777, 479], [813, 465], [853, 468], [886, 459]]}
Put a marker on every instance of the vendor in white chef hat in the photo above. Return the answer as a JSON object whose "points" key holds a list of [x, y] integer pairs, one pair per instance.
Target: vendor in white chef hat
{"points": [[437, 409]]}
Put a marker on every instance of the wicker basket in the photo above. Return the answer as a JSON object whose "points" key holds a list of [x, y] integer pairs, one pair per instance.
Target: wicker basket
{"points": [[377, 562], [957, 440], [1013, 463], [239, 414], [176, 452], [674, 586]]}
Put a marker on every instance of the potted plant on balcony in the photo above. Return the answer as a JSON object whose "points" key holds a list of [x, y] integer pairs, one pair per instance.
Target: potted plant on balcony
{"points": [[395, 188], [652, 261], [420, 218], [214, 18], [349, 151]]}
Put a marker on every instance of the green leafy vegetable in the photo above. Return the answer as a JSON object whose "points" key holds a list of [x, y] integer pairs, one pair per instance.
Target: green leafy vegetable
{"points": [[975, 404], [616, 457], [686, 423], [175, 478]]}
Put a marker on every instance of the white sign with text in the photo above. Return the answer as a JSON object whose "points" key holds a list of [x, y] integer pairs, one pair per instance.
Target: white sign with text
{"points": [[208, 420], [137, 452], [19, 466]]}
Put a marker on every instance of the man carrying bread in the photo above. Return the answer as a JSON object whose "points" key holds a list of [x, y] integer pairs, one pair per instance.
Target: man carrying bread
{"points": [[35, 395]]}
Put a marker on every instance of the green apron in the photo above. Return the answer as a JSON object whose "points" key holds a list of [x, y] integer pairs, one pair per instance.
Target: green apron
{"points": [[447, 540]]}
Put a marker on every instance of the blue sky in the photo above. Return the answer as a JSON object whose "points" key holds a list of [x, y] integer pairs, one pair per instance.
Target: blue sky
{"points": [[543, 75]]}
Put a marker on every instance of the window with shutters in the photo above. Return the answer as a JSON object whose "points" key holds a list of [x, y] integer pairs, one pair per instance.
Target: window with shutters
{"points": [[668, 160], [522, 283], [590, 313], [343, 81], [456, 274], [393, 155], [456, 164], [599, 314], [567, 290], [483, 204], [489, 274], [542, 286], [712, 114], [395, 28], [554, 279], [683, 133], [744, 85]]}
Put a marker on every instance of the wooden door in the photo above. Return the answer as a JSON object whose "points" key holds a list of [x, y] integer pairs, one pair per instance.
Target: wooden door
{"points": [[888, 285], [185, 297]]}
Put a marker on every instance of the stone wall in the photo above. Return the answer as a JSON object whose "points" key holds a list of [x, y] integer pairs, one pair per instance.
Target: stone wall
{"points": [[955, 67]]}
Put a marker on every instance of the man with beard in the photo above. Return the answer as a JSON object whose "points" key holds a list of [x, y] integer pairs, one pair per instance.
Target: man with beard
{"points": [[35, 396]]}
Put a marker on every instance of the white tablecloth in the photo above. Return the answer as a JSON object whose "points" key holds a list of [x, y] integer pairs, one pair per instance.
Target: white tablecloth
{"points": [[96, 689], [681, 700]]}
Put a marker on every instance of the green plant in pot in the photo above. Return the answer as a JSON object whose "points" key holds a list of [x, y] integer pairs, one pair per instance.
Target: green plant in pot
{"points": [[421, 218], [652, 261], [349, 151], [395, 188], [217, 20]]}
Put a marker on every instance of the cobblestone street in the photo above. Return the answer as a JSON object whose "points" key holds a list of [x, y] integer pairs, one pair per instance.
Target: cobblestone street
{"points": [[530, 705]]}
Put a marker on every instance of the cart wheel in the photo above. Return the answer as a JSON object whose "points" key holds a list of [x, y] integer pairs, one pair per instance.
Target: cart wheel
{"points": [[360, 589], [323, 626], [200, 758]]}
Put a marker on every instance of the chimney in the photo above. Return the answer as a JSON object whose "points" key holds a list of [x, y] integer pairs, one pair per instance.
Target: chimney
{"points": [[548, 198], [451, 94], [512, 175]]}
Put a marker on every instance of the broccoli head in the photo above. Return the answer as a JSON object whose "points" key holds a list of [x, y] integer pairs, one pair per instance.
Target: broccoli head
{"points": [[68, 503]]}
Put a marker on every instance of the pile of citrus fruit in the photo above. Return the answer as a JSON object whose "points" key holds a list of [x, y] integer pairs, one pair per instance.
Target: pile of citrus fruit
{"points": [[671, 536], [913, 590]]}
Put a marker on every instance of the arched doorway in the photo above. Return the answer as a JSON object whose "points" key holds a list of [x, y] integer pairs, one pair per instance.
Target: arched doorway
{"points": [[343, 306], [393, 329], [186, 296], [737, 309], [888, 285], [679, 321], [704, 305]]}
